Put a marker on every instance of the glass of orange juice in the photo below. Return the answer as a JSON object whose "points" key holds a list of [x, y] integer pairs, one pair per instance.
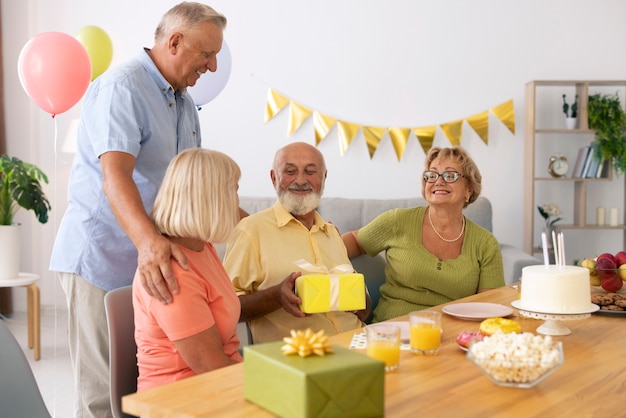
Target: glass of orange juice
{"points": [[383, 343], [426, 331]]}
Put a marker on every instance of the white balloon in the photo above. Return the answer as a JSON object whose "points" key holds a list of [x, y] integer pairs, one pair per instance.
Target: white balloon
{"points": [[209, 85]]}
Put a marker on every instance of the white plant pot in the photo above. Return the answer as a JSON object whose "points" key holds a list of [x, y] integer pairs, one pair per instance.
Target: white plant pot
{"points": [[10, 244], [570, 123]]}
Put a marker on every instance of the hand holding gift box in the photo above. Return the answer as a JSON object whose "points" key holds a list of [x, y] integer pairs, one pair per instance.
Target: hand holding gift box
{"points": [[326, 290]]}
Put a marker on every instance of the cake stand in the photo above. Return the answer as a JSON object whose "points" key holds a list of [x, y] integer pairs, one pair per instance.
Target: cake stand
{"points": [[553, 324]]}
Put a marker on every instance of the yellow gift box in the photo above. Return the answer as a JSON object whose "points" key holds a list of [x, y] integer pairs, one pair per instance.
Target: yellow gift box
{"points": [[331, 292]]}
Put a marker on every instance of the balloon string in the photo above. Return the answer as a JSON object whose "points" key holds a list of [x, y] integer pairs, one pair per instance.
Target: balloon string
{"points": [[56, 144]]}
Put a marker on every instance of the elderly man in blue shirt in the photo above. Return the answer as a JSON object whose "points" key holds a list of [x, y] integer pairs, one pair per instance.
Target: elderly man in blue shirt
{"points": [[135, 119]]}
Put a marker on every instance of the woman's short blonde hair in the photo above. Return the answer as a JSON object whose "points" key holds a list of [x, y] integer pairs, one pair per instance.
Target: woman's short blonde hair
{"points": [[468, 168], [198, 197]]}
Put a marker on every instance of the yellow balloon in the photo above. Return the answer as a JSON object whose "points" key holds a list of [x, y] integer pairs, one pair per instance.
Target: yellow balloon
{"points": [[99, 48]]}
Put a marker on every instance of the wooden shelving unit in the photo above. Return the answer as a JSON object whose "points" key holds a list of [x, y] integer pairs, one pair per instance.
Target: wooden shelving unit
{"points": [[535, 131]]}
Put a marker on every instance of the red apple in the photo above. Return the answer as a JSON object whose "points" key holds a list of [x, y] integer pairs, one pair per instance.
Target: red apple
{"points": [[612, 283], [605, 267], [606, 255], [620, 258]]}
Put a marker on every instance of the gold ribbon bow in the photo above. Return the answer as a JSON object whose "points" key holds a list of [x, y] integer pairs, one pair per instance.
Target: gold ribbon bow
{"points": [[306, 343]]}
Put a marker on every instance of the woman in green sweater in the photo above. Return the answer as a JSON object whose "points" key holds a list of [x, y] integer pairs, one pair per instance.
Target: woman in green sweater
{"points": [[434, 254]]}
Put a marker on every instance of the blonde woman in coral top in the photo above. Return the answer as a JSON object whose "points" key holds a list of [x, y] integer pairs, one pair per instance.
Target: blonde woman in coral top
{"points": [[197, 332]]}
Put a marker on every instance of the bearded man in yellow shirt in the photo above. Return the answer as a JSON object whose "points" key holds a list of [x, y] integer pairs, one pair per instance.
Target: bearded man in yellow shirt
{"points": [[260, 256]]}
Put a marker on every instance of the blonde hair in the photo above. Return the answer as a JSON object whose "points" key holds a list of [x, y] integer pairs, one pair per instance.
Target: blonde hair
{"points": [[185, 16], [468, 168], [198, 198]]}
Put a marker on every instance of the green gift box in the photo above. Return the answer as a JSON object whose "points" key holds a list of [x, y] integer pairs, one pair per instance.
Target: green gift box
{"points": [[331, 292], [342, 384]]}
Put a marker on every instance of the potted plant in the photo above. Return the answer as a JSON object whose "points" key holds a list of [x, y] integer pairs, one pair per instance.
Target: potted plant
{"points": [[607, 118], [20, 187], [571, 112]]}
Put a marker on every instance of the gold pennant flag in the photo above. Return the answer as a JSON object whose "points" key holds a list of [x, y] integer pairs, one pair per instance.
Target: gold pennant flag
{"points": [[373, 136], [425, 136], [506, 113], [347, 132], [323, 124], [480, 124], [297, 115], [453, 131], [399, 138], [275, 103]]}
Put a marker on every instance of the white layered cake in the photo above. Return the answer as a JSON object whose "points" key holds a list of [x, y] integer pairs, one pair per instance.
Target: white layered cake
{"points": [[555, 289]]}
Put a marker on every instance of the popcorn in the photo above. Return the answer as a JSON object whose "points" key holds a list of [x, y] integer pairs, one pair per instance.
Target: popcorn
{"points": [[519, 358]]}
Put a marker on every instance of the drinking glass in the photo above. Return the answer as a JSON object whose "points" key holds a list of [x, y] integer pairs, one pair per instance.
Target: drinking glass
{"points": [[383, 343], [425, 332]]}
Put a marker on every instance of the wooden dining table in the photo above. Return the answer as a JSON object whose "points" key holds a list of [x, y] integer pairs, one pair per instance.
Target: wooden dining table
{"points": [[590, 383]]}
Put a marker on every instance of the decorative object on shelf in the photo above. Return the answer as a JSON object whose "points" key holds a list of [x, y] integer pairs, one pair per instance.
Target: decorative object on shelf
{"points": [[614, 216], [607, 118], [550, 212], [600, 216], [570, 117], [557, 166], [20, 187]]}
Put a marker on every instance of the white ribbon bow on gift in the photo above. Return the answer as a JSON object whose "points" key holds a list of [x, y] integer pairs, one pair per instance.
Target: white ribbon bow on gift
{"points": [[333, 275]]}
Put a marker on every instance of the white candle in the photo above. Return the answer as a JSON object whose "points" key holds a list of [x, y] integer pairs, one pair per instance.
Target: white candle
{"points": [[600, 216], [613, 217]]}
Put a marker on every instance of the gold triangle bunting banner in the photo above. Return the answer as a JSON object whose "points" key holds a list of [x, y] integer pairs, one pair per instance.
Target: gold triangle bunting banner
{"points": [[347, 132], [506, 113], [399, 136], [297, 115], [323, 124], [480, 124], [275, 103], [373, 136], [425, 136], [453, 131]]}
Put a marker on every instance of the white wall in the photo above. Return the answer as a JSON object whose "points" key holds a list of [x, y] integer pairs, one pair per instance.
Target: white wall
{"points": [[392, 63]]}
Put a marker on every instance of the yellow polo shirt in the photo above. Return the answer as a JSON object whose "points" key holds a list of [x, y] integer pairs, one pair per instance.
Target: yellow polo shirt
{"points": [[261, 254]]}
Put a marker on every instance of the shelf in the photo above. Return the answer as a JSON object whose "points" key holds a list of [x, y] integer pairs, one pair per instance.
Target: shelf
{"points": [[545, 132], [564, 131], [591, 226], [576, 179]]}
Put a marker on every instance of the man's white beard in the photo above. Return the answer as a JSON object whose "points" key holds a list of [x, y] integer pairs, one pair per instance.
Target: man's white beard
{"points": [[296, 204]]}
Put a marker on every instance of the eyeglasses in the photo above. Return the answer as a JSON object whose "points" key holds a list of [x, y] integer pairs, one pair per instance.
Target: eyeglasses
{"points": [[447, 176]]}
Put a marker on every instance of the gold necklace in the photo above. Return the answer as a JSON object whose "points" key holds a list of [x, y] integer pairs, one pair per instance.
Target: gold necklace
{"points": [[439, 235]]}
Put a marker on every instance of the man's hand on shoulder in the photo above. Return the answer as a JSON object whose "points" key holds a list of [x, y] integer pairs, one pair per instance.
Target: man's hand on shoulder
{"points": [[155, 268]]}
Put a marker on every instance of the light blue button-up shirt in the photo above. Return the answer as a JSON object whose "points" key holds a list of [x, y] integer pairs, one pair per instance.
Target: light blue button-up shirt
{"points": [[132, 109]]}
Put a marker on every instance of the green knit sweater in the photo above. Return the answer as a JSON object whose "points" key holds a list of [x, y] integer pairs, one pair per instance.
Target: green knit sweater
{"points": [[415, 278]]}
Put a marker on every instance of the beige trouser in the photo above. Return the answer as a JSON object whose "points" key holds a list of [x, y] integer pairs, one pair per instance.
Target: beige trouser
{"points": [[89, 346]]}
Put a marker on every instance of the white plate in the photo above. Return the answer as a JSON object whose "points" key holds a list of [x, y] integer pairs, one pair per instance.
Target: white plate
{"points": [[405, 332], [477, 311]]}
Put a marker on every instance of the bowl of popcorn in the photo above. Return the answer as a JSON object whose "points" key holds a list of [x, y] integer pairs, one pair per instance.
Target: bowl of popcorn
{"points": [[516, 360]]}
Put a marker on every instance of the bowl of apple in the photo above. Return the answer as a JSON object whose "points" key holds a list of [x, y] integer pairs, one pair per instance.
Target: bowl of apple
{"points": [[607, 271]]}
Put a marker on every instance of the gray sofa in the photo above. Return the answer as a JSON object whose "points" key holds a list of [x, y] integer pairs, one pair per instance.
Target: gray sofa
{"points": [[350, 214]]}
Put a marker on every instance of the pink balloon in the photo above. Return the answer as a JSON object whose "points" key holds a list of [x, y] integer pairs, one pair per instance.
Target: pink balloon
{"points": [[55, 71]]}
